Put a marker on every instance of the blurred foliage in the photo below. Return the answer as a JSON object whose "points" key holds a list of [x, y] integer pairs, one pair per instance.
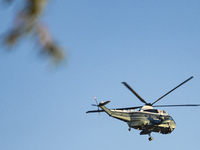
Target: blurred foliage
{"points": [[26, 22]]}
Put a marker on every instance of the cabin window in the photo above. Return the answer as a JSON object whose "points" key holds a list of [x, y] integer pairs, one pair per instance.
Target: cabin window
{"points": [[151, 110]]}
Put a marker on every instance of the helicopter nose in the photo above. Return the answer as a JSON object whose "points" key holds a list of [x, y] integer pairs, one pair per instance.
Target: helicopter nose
{"points": [[173, 125]]}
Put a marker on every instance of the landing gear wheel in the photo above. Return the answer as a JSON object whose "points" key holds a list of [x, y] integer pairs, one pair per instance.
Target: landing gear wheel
{"points": [[150, 138], [129, 129]]}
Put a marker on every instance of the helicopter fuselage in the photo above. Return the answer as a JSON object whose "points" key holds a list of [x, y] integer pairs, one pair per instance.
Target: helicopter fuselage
{"points": [[146, 119]]}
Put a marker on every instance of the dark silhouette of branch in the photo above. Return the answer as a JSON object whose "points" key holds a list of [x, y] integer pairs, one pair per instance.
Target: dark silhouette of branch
{"points": [[27, 22]]}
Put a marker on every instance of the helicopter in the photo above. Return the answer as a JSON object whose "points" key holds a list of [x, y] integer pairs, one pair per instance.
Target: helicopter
{"points": [[147, 119]]}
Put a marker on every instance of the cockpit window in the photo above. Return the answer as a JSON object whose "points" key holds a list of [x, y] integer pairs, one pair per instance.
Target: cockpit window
{"points": [[164, 112], [168, 118]]}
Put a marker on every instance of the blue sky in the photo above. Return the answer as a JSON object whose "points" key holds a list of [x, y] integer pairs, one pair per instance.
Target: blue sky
{"points": [[152, 45]]}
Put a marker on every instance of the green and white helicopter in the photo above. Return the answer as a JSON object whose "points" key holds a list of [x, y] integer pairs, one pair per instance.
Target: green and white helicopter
{"points": [[147, 119]]}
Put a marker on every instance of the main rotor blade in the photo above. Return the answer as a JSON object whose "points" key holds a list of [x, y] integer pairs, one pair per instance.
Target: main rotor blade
{"points": [[138, 96], [183, 105], [126, 108], [172, 90]]}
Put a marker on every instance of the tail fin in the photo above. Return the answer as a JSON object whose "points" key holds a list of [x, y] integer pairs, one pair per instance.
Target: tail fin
{"points": [[102, 104]]}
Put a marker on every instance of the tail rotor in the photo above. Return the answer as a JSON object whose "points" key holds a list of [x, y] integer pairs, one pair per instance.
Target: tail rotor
{"points": [[97, 105]]}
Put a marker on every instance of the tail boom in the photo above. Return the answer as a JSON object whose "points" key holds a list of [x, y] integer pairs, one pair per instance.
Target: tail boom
{"points": [[114, 113]]}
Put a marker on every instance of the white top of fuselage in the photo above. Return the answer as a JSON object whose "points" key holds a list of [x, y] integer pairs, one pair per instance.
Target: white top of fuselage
{"points": [[144, 109]]}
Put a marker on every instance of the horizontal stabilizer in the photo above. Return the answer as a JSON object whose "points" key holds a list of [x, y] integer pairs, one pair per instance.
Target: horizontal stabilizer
{"points": [[95, 111]]}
